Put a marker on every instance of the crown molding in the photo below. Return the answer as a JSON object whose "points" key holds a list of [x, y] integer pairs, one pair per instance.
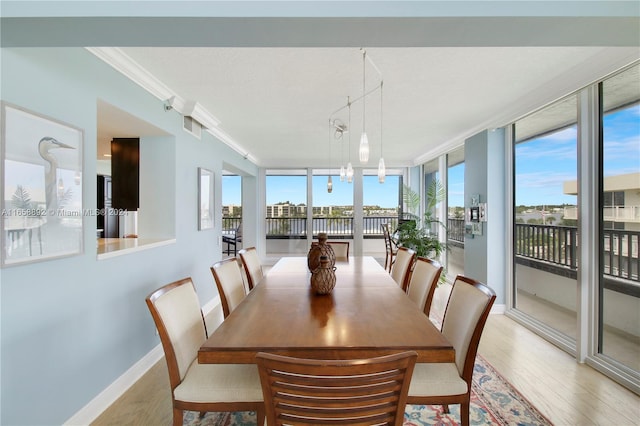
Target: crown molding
{"points": [[125, 65]]}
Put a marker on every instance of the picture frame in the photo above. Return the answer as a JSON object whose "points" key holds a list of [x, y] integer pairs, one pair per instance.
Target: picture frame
{"points": [[41, 185], [205, 199]]}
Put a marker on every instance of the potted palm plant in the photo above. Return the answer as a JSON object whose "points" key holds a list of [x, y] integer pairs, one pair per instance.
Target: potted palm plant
{"points": [[418, 234]]}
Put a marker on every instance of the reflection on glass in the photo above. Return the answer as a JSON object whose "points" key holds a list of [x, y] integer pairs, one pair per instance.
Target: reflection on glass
{"points": [[545, 239], [231, 213], [332, 212], [455, 217], [619, 325], [381, 203], [286, 212]]}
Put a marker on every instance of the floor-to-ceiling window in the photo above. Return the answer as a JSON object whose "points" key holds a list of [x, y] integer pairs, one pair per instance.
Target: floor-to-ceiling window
{"points": [[455, 213], [619, 286], [381, 204], [332, 210], [231, 213], [286, 212], [545, 235], [431, 178]]}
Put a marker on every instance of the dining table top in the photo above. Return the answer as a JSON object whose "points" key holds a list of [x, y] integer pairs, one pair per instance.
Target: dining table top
{"points": [[366, 315]]}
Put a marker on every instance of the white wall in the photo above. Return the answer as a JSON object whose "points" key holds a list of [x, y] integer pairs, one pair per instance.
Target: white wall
{"points": [[71, 326]]}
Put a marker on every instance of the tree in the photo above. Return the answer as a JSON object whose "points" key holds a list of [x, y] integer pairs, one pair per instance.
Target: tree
{"points": [[21, 199], [417, 234]]}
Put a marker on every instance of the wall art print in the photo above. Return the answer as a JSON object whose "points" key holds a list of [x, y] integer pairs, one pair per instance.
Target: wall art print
{"points": [[41, 187], [205, 199]]}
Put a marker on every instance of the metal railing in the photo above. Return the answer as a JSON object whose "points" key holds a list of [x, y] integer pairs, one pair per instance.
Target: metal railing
{"points": [[621, 254], [296, 227], [558, 245], [552, 244], [455, 230], [549, 243], [609, 214]]}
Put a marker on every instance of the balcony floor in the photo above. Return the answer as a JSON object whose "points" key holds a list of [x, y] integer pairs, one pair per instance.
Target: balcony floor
{"points": [[618, 345]]}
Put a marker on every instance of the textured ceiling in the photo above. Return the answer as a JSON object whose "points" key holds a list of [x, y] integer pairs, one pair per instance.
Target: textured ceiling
{"points": [[275, 103], [272, 72]]}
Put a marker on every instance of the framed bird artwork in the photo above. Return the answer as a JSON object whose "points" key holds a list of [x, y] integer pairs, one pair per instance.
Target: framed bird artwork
{"points": [[41, 184]]}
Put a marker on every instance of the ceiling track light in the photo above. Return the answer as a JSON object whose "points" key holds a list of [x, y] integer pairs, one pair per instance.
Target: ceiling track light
{"points": [[338, 128]]}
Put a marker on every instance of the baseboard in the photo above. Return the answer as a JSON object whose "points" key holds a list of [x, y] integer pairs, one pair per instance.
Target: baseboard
{"points": [[498, 309], [104, 399], [90, 412]]}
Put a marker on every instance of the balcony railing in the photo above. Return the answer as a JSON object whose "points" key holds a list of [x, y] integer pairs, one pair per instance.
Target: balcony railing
{"points": [[335, 227], [554, 244], [551, 244], [610, 214], [455, 230]]}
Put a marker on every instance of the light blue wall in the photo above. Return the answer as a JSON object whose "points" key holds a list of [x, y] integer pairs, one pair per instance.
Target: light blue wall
{"points": [[484, 174], [70, 327]]}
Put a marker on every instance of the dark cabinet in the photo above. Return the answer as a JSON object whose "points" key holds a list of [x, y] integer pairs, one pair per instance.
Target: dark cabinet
{"points": [[107, 216], [125, 173]]}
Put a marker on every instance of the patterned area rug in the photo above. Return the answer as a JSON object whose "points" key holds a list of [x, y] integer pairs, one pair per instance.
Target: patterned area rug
{"points": [[493, 402]]}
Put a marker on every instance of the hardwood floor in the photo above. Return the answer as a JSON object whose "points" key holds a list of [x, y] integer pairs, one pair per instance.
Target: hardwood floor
{"points": [[566, 392]]}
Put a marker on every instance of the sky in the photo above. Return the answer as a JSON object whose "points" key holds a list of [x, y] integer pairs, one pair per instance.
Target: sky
{"points": [[542, 166]]}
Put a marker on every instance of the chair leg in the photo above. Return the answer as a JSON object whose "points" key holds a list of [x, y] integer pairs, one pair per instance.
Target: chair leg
{"points": [[202, 414], [177, 417], [445, 408], [464, 413], [260, 415]]}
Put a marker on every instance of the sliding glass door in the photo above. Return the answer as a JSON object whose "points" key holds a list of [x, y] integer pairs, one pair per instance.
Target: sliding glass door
{"points": [[455, 213], [286, 212], [545, 231], [619, 287]]}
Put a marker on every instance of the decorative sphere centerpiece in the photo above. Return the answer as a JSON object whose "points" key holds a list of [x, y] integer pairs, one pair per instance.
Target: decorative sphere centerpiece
{"points": [[321, 248], [323, 278]]}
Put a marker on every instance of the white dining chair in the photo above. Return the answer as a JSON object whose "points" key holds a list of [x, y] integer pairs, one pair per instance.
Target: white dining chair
{"points": [[230, 285], [464, 319], [176, 311], [424, 280], [401, 268], [252, 266], [340, 248]]}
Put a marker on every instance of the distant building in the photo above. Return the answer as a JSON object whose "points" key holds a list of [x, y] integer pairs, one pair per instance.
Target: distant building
{"points": [[231, 210], [286, 210], [621, 201]]}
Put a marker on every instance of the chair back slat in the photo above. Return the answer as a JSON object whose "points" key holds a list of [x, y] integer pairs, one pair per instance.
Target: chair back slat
{"points": [[335, 392]]}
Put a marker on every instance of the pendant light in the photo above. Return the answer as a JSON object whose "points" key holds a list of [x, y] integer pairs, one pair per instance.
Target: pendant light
{"points": [[382, 172], [343, 172], [364, 140], [329, 182], [349, 166]]}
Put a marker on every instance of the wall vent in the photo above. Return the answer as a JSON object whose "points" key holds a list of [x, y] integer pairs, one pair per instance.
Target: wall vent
{"points": [[191, 125]]}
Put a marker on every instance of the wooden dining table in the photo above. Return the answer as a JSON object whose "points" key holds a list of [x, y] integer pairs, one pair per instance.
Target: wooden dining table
{"points": [[366, 315]]}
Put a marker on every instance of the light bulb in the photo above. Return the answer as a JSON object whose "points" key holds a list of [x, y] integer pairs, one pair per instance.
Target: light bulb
{"points": [[349, 172], [364, 148], [329, 185], [382, 172], [342, 173]]}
